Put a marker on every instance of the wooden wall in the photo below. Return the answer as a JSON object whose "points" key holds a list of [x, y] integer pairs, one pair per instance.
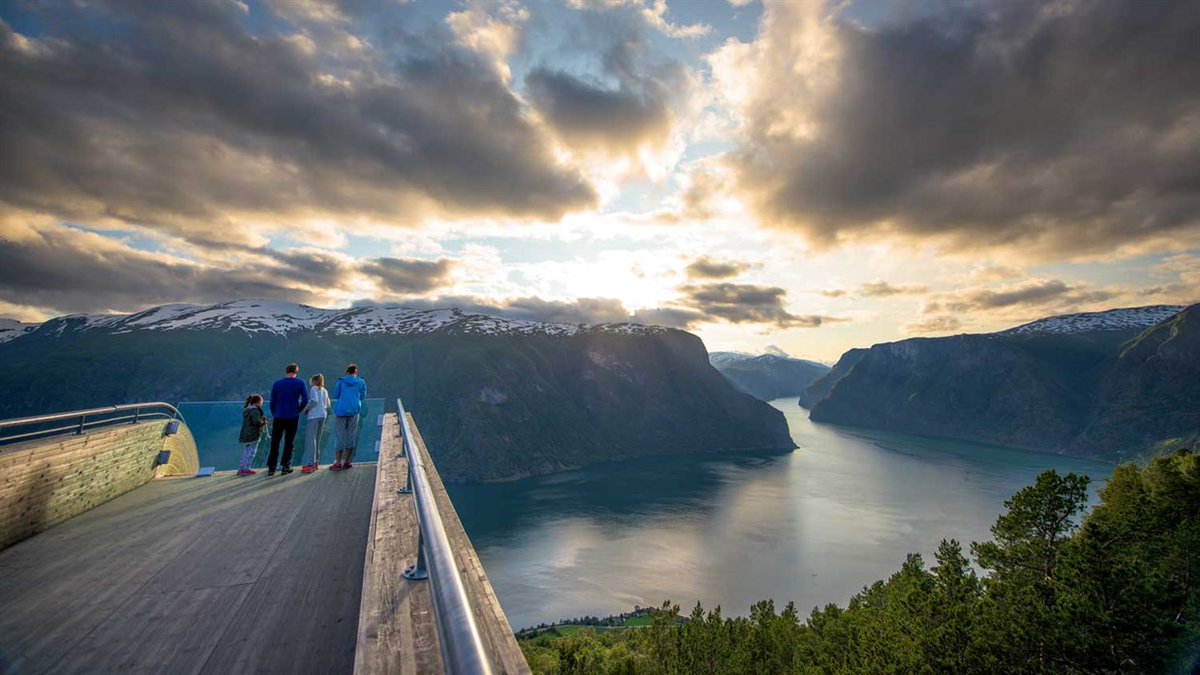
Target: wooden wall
{"points": [[44, 482]]}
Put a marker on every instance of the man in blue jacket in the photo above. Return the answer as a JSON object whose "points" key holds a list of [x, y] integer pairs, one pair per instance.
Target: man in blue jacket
{"points": [[288, 397], [348, 396]]}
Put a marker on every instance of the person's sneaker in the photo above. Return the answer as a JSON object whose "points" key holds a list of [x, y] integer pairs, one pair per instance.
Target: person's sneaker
{"points": [[250, 472], [308, 468], [337, 466], [245, 472], [270, 472], [286, 469], [347, 465]]}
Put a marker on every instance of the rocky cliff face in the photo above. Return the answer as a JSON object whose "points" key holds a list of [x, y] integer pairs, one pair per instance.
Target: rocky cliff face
{"points": [[495, 399], [768, 376], [1107, 384]]}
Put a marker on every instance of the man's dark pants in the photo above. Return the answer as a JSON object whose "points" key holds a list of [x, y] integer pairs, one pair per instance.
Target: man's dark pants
{"points": [[280, 428]]}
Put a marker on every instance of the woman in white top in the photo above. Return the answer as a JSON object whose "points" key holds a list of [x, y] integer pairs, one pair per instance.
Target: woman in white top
{"points": [[317, 410]]}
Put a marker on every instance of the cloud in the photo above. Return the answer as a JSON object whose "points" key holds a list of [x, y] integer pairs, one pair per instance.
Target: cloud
{"points": [[616, 101], [1060, 129], [937, 324], [882, 289], [235, 129], [1035, 293], [876, 289], [747, 303], [407, 275], [589, 115], [46, 268], [707, 268]]}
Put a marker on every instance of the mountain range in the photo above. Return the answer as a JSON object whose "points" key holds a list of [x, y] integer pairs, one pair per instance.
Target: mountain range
{"points": [[1112, 385], [496, 399], [767, 376]]}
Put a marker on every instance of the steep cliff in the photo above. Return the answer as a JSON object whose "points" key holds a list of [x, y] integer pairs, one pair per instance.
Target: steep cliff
{"points": [[496, 399], [1105, 384]]}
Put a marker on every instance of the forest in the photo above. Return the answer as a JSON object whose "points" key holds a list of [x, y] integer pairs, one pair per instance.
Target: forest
{"points": [[1064, 590]]}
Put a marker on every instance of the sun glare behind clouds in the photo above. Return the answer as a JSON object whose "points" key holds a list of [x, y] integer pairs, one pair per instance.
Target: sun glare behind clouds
{"points": [[811, 175]]}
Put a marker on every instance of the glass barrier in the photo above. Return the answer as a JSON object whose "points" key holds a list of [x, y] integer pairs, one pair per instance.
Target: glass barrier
{"points": [[215, 426]]}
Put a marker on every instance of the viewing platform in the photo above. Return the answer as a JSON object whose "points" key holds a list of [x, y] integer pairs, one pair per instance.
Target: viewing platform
{"points": [[225, 574]]}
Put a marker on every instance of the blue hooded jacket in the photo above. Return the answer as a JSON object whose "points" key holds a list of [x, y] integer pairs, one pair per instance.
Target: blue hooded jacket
{"points": [[348, 395], [288, 398]]}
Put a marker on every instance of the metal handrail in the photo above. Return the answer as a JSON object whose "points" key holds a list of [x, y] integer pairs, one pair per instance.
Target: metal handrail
{"points": [[458, 635], [80, 421]]}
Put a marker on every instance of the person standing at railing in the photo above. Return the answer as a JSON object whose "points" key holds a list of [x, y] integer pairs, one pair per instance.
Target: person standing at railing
{"points": [[288, 397], [253, 422], [348, 394], [316, 412]]}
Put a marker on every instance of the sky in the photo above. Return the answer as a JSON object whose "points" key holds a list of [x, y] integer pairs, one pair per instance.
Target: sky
{"points": [[807, 176]]}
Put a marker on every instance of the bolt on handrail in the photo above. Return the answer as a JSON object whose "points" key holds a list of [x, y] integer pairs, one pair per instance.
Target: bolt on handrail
{"points": [[459, 637], [80, 422]]}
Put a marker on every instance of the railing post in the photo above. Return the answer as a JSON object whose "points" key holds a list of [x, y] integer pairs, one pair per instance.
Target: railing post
{"points": [[405, 447], [136, 414], [417, 572], [79, 431]]}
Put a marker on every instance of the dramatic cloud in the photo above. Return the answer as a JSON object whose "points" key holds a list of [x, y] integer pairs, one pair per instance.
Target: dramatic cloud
{"points": [[1060, 128], [403, 275], [64, 269], [747, 303], [198, 122], [621, 106], [707, 268]]}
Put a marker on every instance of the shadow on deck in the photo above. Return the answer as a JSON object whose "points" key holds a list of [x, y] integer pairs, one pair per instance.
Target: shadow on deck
{"points": [[214, 575]]}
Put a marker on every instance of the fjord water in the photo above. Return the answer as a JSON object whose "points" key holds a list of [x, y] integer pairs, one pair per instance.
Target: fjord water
{"points": [[811, 526]]}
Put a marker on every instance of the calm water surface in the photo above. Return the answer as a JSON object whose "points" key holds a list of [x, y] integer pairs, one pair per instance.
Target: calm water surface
{"points": [[813, 526]]}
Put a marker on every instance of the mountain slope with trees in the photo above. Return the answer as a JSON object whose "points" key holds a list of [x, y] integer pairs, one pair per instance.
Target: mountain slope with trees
{"points": [[767, 376], [1110, 385], [495, 399], [1119, 593]]}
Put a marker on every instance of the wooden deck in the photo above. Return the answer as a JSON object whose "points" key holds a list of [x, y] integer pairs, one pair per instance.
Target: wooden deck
{"points": [[197, 575]]}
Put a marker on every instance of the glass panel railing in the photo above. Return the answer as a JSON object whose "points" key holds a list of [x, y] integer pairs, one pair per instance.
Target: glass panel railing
{"points": [[215, 426]]}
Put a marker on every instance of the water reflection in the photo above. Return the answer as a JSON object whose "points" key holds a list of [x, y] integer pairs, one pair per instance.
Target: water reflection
{"points": [[813, 525]]}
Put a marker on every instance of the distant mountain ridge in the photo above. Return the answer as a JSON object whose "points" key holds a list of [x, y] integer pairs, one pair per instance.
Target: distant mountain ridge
{"points": [[767, 376], [282, 318], [1113, 319], [496, 398], [1109, 385]]}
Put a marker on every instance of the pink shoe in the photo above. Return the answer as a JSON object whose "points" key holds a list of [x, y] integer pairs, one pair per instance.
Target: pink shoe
{"points": [[347, 465], [246, 472], [337, 466], [308, 468]]}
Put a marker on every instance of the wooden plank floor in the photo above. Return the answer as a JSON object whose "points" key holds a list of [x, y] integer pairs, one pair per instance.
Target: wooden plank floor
{"points": [[197, 575]]}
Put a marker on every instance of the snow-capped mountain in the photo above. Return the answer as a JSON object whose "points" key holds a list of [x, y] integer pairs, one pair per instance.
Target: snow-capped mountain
{"points": [[1113, 319], [497, 398], [284, 318], [11, 328], [767, 376], [721, 359], [1109, 385]]}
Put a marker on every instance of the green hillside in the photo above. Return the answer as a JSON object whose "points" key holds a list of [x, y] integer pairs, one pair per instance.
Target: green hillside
{"points": [[1119, 593]]}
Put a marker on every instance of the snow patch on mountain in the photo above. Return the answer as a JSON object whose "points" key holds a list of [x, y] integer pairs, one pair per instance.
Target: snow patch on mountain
{"points": [[1113, 319], [722, 359], [11, 328], [283, 318]]}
